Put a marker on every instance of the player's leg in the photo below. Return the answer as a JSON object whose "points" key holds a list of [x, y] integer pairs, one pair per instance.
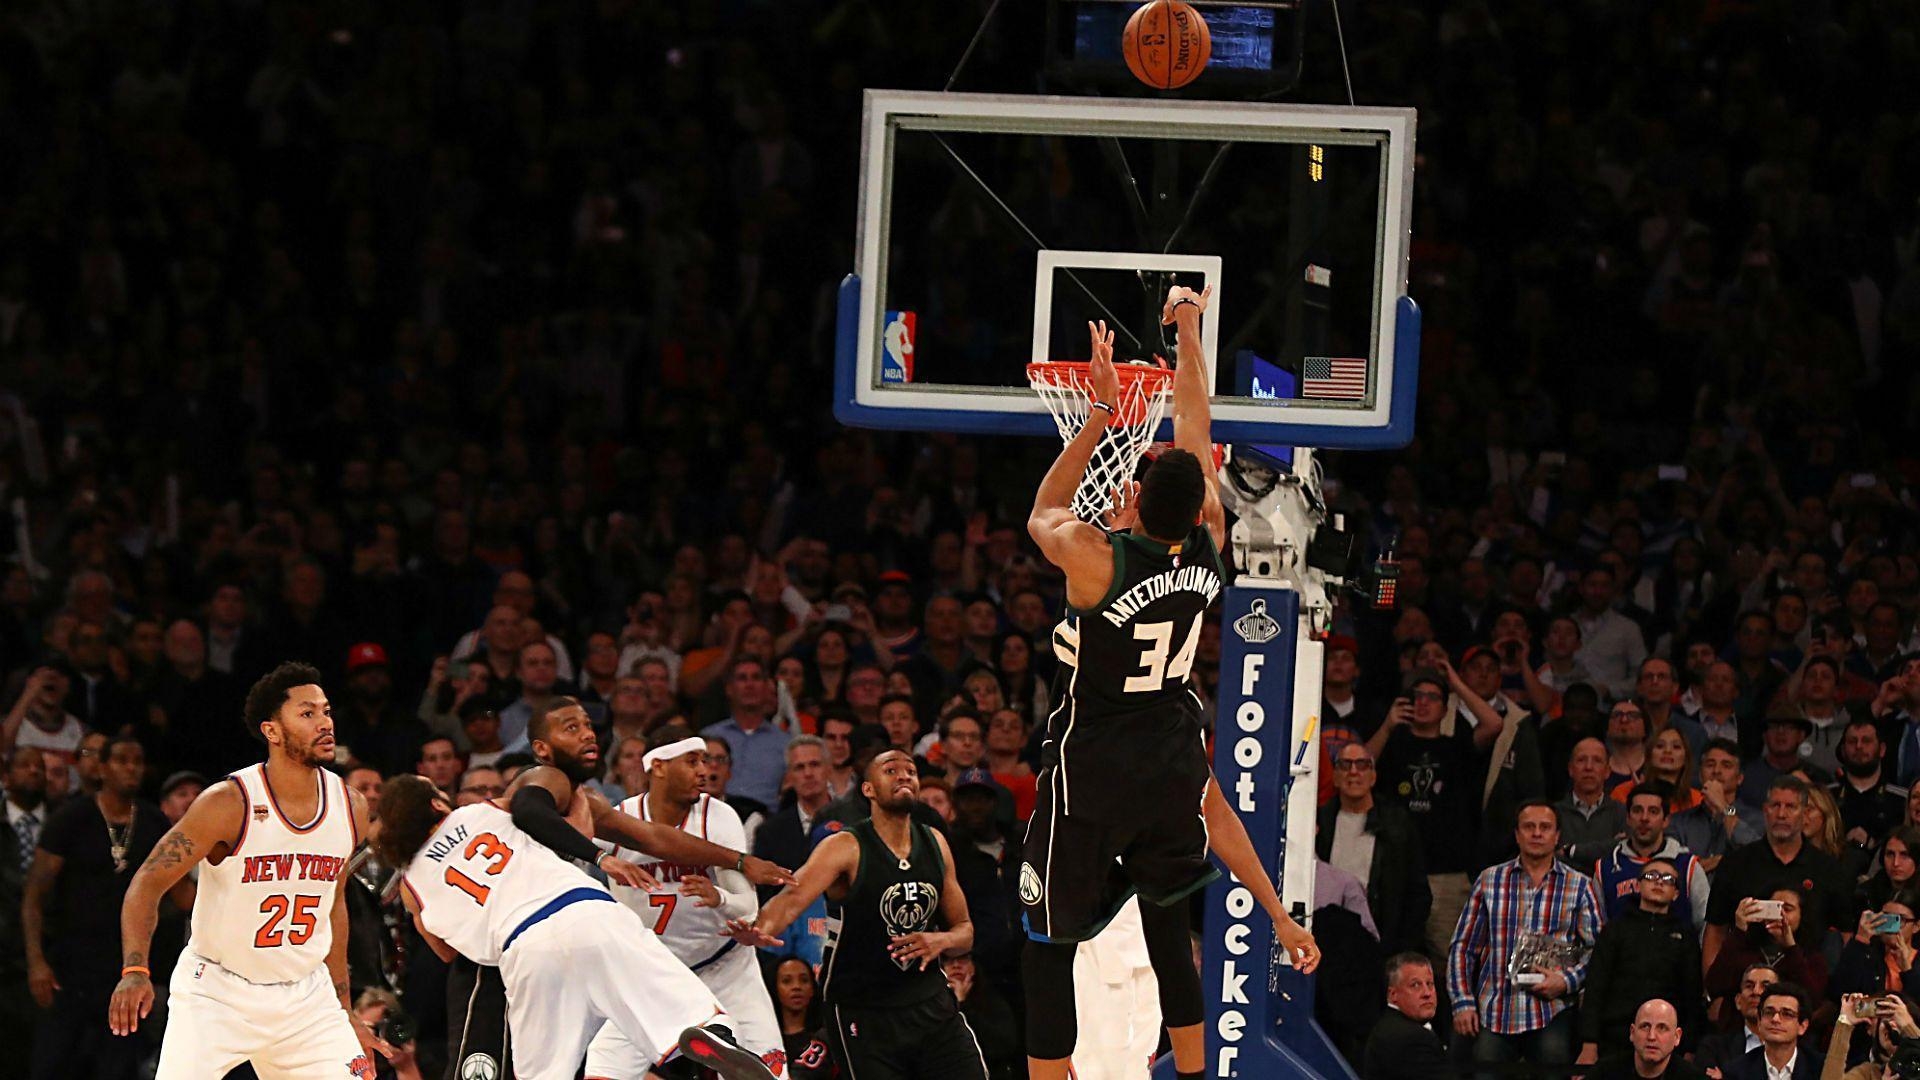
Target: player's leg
{"points": [[550, 1005], [640, 987], [611, 1056], [944, 1045], [1167, 863], [478, 1043], [866, 1045], [308, 1036], [1070, 886], [736, 981], [211, 1022]]}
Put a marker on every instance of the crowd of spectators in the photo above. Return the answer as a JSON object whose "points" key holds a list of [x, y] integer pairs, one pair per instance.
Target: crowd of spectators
{"points": [[477, 354]]}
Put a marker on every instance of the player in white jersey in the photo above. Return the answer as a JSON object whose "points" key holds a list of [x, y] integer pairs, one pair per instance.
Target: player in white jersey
{"points": [[688, 907], [484, 881], [264, 976]]}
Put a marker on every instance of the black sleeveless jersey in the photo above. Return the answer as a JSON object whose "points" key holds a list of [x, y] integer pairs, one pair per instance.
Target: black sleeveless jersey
{"points": [[1125, 712], [886, 901]]}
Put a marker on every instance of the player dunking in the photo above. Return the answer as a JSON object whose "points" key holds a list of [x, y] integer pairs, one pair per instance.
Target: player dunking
{"points": [[893, 1015], [1126, 796], [264, 976], [688, 907]]}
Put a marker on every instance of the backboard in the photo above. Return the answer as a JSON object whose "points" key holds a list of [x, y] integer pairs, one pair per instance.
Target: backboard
{"points": [[992, 228]]}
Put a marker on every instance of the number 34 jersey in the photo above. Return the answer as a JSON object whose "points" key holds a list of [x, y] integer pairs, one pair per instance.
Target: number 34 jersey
{"points": [[1126, 718], [478, 877]]}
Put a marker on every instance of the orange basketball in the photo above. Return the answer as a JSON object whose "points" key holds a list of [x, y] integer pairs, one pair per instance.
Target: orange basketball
{"points": [[1167, 44]]}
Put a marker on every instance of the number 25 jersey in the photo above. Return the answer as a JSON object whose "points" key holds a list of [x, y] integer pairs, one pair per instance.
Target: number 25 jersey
{"points": [[478, 877], [265, 911], [1125, 712]]}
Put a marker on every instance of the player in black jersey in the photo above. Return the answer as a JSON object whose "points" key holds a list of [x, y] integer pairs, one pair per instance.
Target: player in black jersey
{"points": [[892, 1014], [1126, 795]]}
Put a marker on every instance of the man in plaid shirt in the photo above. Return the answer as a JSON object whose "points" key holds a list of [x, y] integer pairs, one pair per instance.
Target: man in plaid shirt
{"points": [[1533, 894]]}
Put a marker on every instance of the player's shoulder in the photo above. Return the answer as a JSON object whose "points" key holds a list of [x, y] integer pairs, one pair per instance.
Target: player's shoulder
{"points": [[719, 811]]}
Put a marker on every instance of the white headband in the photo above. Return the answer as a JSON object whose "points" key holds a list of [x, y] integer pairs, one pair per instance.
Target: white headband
{"points": [[689, 745]]}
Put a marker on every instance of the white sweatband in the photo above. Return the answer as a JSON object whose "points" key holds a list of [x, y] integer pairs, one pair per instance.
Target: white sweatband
{"points": [[689, 745]]}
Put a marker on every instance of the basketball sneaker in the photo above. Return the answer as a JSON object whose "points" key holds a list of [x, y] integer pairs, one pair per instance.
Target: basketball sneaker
{"points": [[712, 1046]]}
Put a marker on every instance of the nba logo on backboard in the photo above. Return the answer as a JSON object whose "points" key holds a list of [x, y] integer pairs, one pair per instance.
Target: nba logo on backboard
{"points": [[896, 362]]}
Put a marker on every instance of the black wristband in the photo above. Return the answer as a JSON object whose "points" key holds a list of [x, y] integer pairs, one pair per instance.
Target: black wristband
{"points": [[740, 864], [1185, 300], [1110, 411]]}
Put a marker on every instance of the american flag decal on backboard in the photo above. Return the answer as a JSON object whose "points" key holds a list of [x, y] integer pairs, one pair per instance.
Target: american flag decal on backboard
{"points": [[1340, 378]]}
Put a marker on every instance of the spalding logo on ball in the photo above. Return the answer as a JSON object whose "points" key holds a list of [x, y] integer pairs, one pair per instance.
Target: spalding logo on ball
{"points": [[1167, 44]]}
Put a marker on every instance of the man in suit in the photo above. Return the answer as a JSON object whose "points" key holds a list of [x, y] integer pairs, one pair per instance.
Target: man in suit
{"points": [[1405, 1045], [787, 833], [1784, 1013], [1721, 1053], [1376, 843]]}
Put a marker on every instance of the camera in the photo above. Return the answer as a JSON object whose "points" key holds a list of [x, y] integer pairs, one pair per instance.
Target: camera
{"points": [[397, 1029]]}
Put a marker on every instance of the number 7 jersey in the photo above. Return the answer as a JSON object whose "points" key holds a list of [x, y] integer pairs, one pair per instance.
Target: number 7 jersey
{"points": [[478, 877], [1125, 710]]}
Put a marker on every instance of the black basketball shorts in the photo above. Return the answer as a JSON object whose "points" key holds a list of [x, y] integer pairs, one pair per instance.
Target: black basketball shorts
{"points": [[478, 1044], [1079, 869], [926, 1040]]}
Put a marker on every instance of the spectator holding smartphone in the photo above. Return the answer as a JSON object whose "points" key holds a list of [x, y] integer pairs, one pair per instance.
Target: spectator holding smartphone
{"points": [[1889, 1022], [1768, 935], [1879, 957]]}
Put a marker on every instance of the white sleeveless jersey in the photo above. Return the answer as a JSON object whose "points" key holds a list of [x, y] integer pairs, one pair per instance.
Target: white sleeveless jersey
{"points": [[691, 932], [478, 877], [265, 912]]}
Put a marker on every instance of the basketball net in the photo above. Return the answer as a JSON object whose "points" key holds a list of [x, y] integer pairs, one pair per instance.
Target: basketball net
{"points": [[1067, 389]]}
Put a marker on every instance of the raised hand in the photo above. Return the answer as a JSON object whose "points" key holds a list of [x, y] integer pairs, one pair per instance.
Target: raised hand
{"points": [[1100, 372]]}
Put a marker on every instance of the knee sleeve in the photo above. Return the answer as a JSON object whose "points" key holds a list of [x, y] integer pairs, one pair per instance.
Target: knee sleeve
{"points": [[1052, 1026], [1171, 950]]}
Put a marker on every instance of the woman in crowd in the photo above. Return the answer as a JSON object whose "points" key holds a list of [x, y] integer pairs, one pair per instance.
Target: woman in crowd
{"points": [[1896, 871], [1025, 691], [1668, 759], [797, 998]]}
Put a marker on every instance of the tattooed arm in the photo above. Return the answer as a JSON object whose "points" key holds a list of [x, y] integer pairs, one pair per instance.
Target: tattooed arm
{"points": [[211, 826]]}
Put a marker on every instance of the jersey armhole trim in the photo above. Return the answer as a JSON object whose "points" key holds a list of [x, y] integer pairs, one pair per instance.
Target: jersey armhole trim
{"points": [[246, 814], [1116, 541], [346, 799], [860, 860], [419, 902], [933, 843]]}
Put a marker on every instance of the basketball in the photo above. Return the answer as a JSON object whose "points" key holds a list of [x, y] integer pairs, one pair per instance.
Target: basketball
{"points": [[1167, 44]]}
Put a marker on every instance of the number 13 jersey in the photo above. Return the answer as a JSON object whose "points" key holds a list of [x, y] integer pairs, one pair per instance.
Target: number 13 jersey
{"points": [[478, 878], [1125, 712]]}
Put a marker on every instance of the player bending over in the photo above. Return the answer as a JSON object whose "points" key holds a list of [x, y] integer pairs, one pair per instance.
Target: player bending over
{"points": [[1126, 794], [577, 967]]}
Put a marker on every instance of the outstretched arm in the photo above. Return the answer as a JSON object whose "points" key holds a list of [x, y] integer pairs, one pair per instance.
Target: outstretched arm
{"points": [[1073, 545], [1192, 398], [837, 857], [215, 817], [1228, 837], [678, 845]]}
